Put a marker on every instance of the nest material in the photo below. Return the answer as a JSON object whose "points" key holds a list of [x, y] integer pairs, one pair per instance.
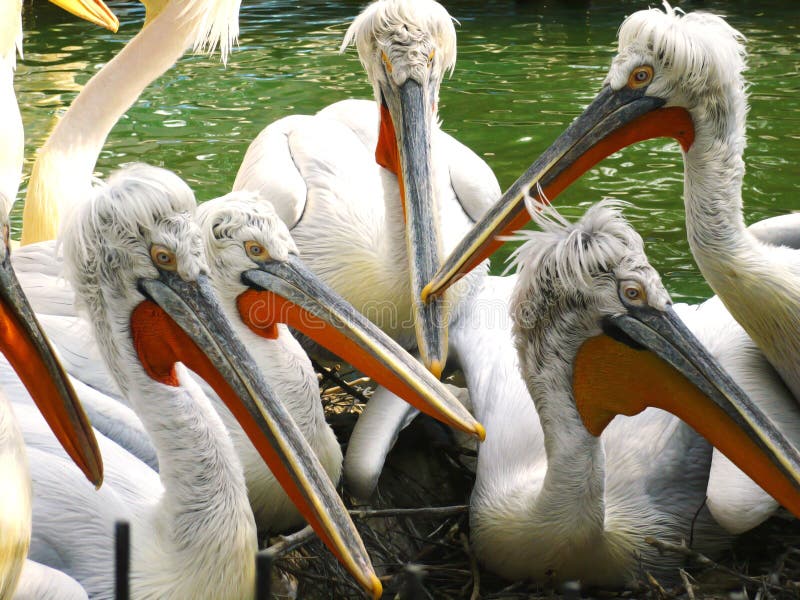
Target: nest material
{"points": [[426, 554]]}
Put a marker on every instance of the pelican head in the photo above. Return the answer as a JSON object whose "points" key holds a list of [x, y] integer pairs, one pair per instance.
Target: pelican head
{"points": [[255, 268], [406, 47], [589, 303], [674, 75], [135, 257]]}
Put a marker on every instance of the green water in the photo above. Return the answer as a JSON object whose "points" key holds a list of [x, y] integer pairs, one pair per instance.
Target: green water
{"points": [[525, 70]]}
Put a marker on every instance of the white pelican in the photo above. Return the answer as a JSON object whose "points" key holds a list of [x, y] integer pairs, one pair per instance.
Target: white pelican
{"points": [[571, 494], [374, 193], [250, 286], [681, 76], [24, 344], [135, 258], [22, 340], [254, 269]]}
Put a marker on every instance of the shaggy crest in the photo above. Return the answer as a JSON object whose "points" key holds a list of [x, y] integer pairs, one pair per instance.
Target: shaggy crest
{"points": [[108, 236], [407, 31], [698, 48], [217, 25], [574, 253], [241, 216]]}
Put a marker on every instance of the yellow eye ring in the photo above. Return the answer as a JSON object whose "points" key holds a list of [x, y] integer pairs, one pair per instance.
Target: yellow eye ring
{"points": [[632, 292], [640, 77], [256, 251], [163, 257], [430, 57]]}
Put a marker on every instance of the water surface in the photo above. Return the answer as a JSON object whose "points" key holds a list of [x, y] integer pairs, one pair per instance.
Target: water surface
{"points": [[525, 70]]}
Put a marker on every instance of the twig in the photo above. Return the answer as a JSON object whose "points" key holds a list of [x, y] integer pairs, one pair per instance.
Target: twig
{"points": [[687, 584], [704, 561], [331, 375], [662, 593], [287, 543], [473, 566], [429, 511]]}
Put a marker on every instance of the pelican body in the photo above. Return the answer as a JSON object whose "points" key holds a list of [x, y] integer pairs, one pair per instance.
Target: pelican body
{"points": [[568, 493], [375, 193], [135, 259], [677, 75], [22, 340]]}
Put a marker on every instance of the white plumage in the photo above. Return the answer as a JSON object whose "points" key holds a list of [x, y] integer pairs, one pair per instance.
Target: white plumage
{"points": [[699, 61], [181, 523], [550, 500], [345, 211]]}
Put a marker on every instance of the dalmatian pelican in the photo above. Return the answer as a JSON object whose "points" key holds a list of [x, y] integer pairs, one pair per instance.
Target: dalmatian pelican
{"points": [[374, 192], [22, 340], [677, 75], [135, 257], [569, 493]]}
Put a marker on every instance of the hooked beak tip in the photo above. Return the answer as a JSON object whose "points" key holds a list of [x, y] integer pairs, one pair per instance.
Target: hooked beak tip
{"points": [[480, 431], [437, 368], [376, 587], [426, 292]]}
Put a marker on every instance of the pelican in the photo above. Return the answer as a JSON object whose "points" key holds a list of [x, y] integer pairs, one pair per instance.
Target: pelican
{"points": [[375, 192], [262, 286], [681, 76], [254, 269], [135, 258], [25, 346], [22, 340], [567, 493]]}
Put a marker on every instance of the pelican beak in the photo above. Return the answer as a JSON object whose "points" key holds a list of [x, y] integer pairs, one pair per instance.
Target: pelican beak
{"points": [[615, 119], [648, 357], [182, 321], [287, 292], [94, 11], [406, 150], [25, 346]]}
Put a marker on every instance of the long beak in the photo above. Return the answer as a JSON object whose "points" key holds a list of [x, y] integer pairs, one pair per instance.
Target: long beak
{"points": [[94, 11], [614, 120], [182, 321], [25, 346], [677, 374], [406, 150], [287, 292]]}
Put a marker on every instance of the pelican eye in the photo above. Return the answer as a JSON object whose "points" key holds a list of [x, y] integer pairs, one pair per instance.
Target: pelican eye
{"points": [[163, 257], [632, 292], [430, 57], [256, 251], [387, 63], [640, 76]]}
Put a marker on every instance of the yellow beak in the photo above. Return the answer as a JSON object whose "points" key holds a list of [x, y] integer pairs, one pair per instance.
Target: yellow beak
{"points": [[94, 11]]}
